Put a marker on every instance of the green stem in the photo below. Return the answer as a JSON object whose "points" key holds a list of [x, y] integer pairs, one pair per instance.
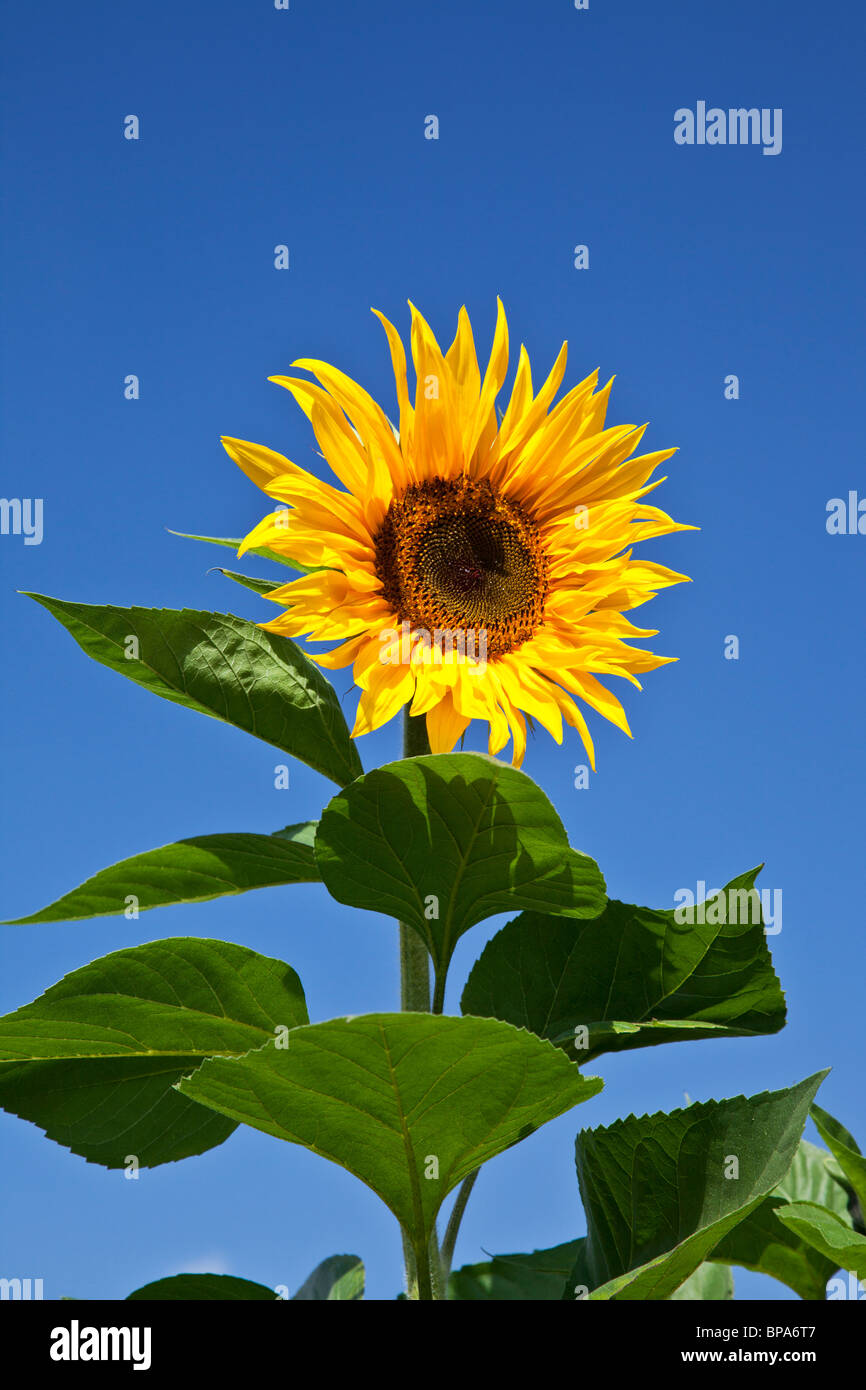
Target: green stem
{"points": [[426, 1270], [416, 743], [437, 1274], [414, 972], [411, 1266], [414, 956], [439, 994], [425, 1282], [415, 740], [422, 1267], [451, 1230]]}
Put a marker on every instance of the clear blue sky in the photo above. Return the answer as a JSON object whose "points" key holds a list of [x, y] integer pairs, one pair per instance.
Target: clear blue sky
{"points": [[155, 257]]}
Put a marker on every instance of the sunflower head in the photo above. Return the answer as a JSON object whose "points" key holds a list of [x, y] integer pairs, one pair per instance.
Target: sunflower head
{"points": [[454, 554], [470, 565]]}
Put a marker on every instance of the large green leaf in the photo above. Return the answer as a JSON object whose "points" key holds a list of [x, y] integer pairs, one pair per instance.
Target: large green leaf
{"points": [[843, 1247], [225, 667], [516, 1278], [443, 841], [110, 1110], [410, 1103], [761, 1243], [661, 1191], [184, 995], [340, 1278], [631, 977], [191, 871], [190, 1288], [714, 1282], [93, 1061], [261, 551], [845, 1150]]}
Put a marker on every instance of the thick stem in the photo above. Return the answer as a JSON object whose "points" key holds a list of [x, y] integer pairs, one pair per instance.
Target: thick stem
{"points": [[426, 1270], [422, 1283], [437, 1274], [414, 972], [415, 740], [414, 956], [451, 1230], [439, 995], [411, 1266], [425, 1282]]}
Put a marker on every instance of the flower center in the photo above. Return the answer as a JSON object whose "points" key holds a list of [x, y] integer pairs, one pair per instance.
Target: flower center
{"points": [[456, 555]]}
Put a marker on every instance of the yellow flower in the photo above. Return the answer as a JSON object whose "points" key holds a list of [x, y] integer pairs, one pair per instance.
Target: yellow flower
{"points": [[480, 570]]}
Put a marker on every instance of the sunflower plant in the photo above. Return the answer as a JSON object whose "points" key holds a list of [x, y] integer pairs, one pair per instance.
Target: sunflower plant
{"points": [[473, 561]]}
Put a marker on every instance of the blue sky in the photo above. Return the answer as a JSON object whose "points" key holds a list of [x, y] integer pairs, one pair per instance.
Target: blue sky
{"points": [[156, 257]]}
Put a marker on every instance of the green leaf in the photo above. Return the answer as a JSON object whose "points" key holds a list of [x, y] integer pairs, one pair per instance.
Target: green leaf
{"points": [[844, 1247], [261, 550], [760, 1243], [185, 995], [516, 1278], [190, 1288], [845, 1150], [112, 1110], [632, 977], [443, 841], [339, 1278], [709, 1281], [410, 1103], [94, 1060], [222, 666], [258, 586], [191, 871], [661, 1191]]}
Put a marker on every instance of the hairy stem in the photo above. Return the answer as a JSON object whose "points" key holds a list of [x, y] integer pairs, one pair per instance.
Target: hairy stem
{"points": [[414, 972], [437, 1273], [411, 1266], [414, 956], [415, 740], [423, 1279], [439, 994], [451, 1230]]}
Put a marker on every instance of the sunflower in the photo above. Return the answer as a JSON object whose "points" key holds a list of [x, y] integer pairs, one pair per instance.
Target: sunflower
{"points": [[470, 566]]}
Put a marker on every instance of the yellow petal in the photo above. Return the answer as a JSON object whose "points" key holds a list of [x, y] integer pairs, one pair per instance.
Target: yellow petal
{"points": [[398, 361], [437, 445], [445, 726], [340, 656], [391, 690], [494, 376], [370, 422], [462, 360]]}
